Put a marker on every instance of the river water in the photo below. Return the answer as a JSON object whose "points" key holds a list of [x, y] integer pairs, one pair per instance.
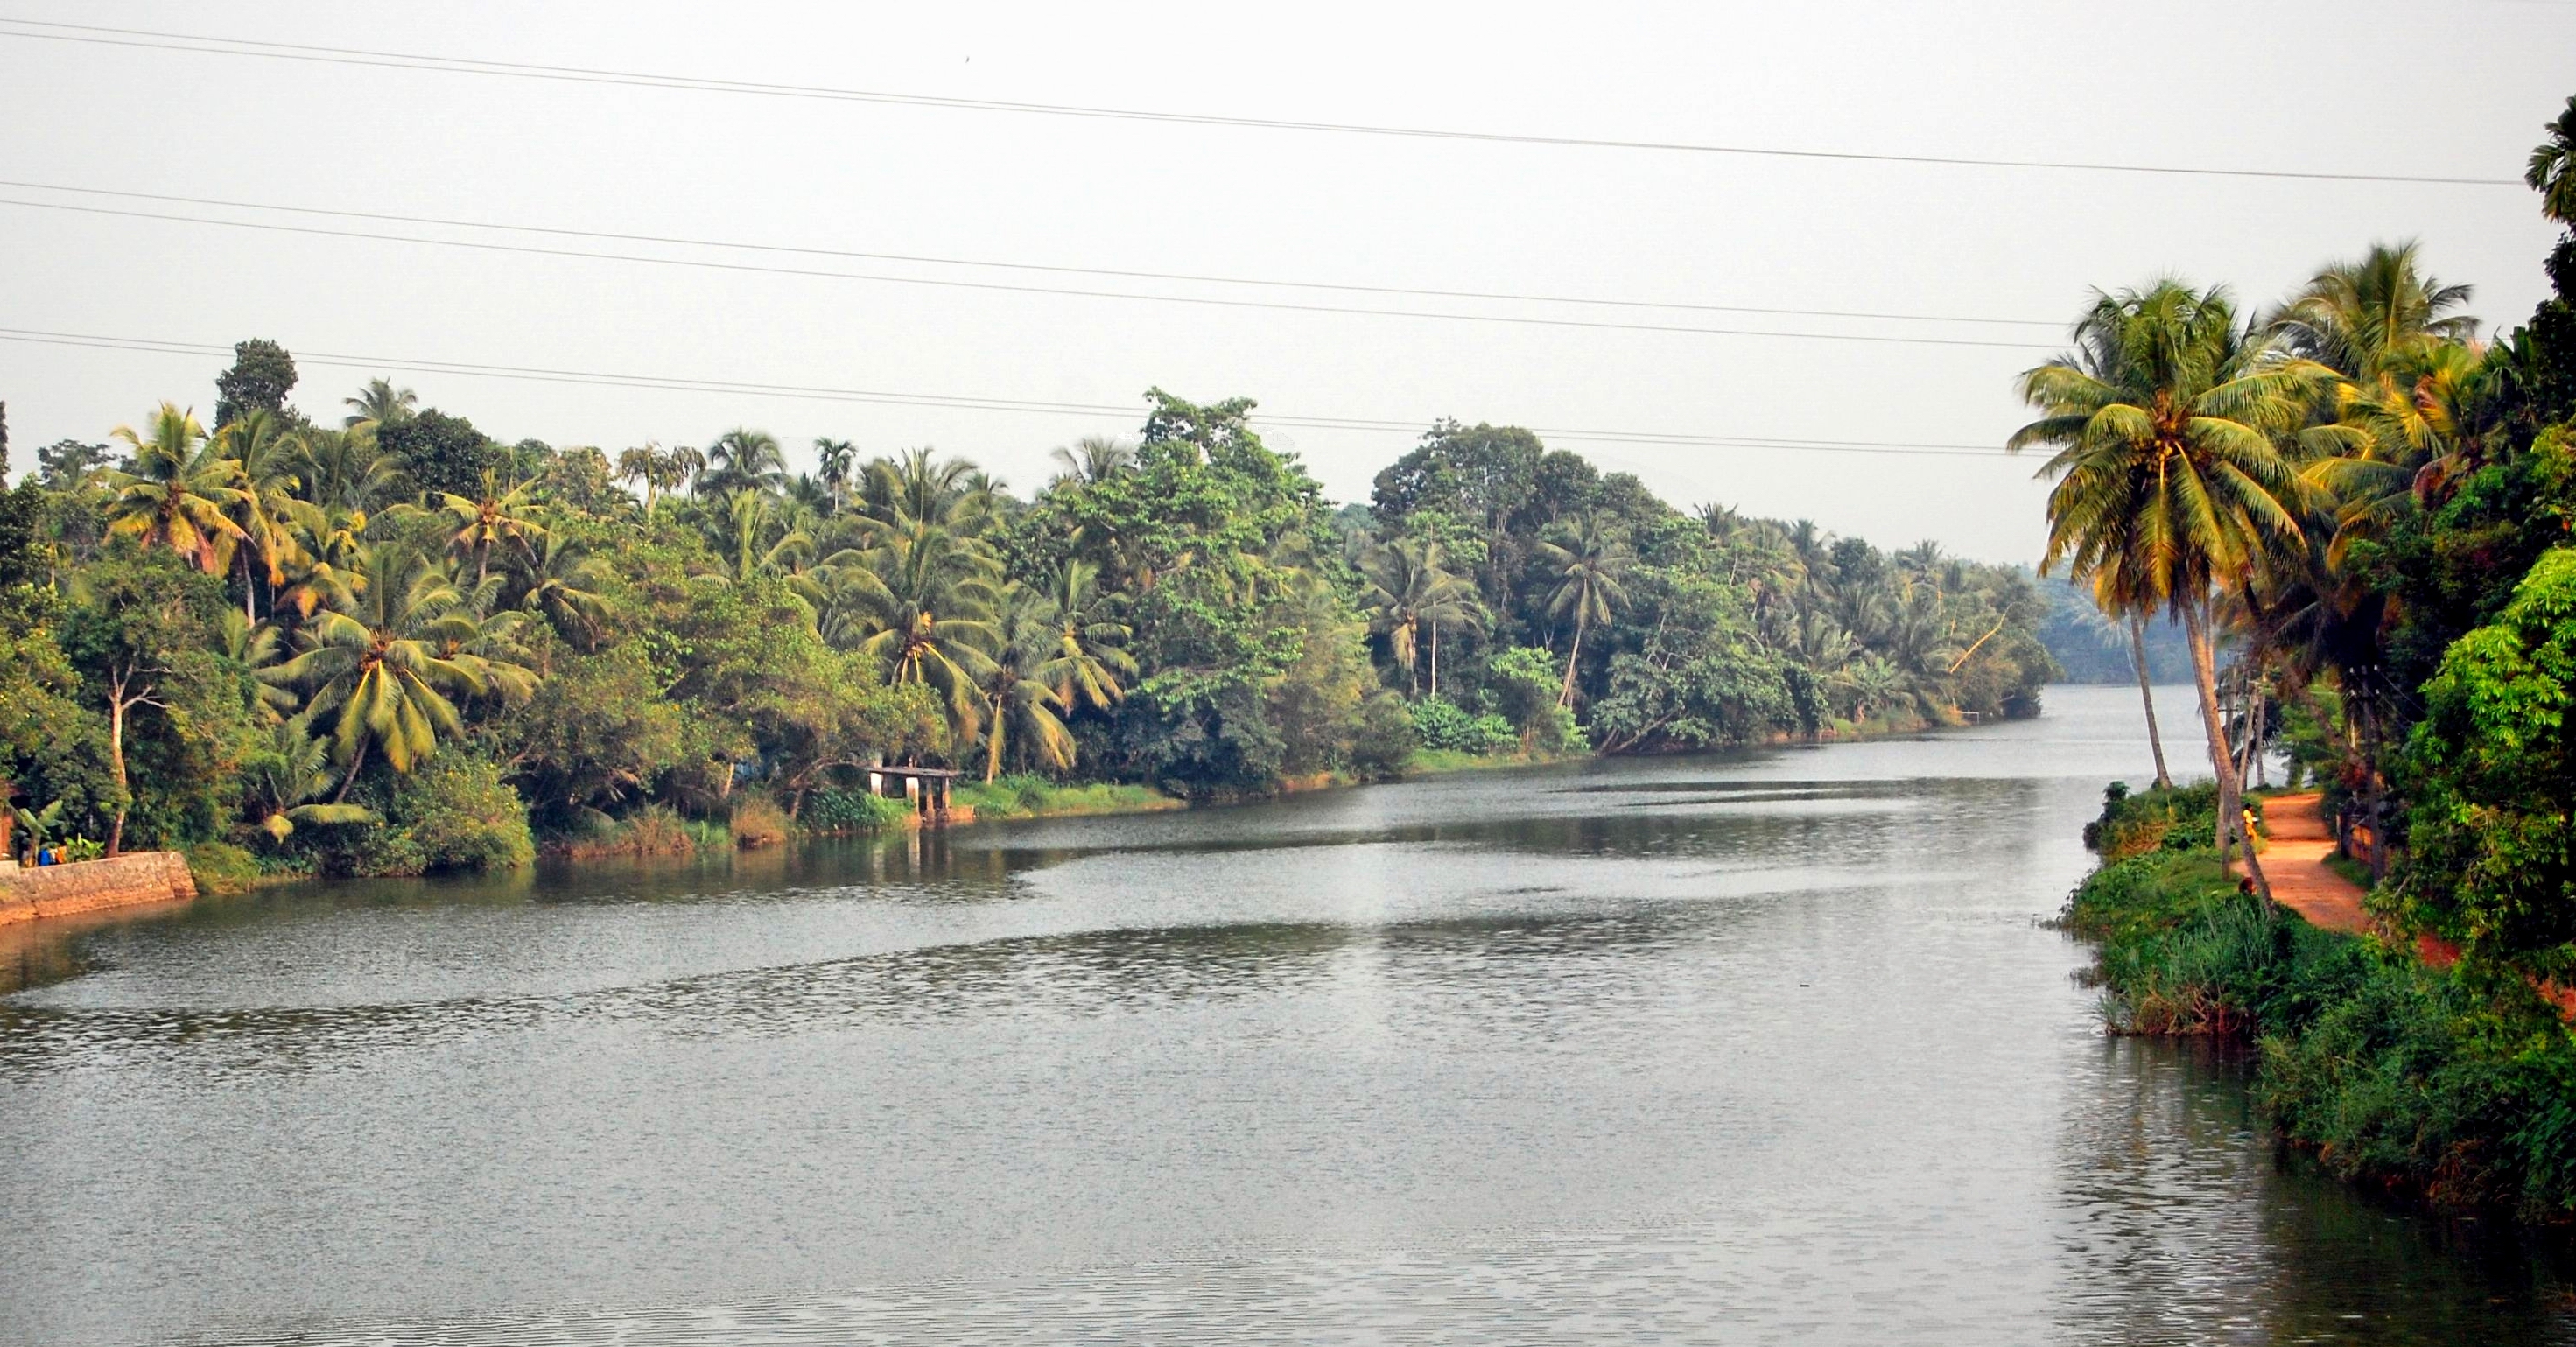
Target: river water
{"points": [[1766, 1048]]}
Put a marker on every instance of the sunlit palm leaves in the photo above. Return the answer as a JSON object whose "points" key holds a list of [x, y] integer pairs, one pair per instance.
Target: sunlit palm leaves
{"points": [[175, 491]]}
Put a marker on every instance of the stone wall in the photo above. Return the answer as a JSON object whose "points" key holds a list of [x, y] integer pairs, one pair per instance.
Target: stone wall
{"points": [[130, 880]]}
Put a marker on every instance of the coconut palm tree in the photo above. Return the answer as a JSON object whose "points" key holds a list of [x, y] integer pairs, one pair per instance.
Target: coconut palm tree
{"points": [[506, 518], [921, 600], [176, 492], [2552, 171], [564, 584], [648, 467], [264, 452], [1094, 459], [1412, 594], [917, 486], [2169, 421], [743, 459], [341, 469], [1019, 705], [1088, 655], [1591, 568], [757, 536], [382, 671], [379, 404]]}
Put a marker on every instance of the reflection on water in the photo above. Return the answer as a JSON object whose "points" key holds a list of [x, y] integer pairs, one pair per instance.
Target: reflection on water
{"points": [[1767, 1047]]}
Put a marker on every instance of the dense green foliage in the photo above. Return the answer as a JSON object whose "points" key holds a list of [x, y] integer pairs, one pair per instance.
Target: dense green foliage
{"points": [[2375, 509], [397, 644], [2388, 1070]]}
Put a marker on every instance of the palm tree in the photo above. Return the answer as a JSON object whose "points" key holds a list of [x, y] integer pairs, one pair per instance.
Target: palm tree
{"points": [[382, 670], [564, 583], [917, 486], [834, 459], [263, 452], [341, 469], [379, 404], [743, 459], [1088, 655], [175, 492], [1591, 568], [1094, 459], [757, 537], [921, 601], [503, 517], [648, 467], [2169, 420], [2552, 171], [1411, 593], [1017, 700]]}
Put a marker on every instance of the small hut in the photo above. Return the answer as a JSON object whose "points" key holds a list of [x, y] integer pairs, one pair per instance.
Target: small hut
{"points": [[923, 788]]}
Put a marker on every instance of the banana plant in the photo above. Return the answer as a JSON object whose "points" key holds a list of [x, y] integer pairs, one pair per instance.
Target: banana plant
{"points": [[38, 823]]}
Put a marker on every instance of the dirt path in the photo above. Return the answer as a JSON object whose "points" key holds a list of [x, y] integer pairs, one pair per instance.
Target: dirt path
{"points": [[2297, 843]]}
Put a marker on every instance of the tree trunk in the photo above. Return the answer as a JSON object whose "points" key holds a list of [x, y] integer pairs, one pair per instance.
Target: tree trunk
{"points": [[356, 761], [2147, 694], [2204, 668], [1435, 659], [116, 705], [1565, 695], [993, 747]]}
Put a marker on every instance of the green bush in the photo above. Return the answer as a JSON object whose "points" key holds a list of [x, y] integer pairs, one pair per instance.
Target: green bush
{"points": [[1445, 725], [2173, 817], [838, 811], [1385, 739], [221, 868], [460, 815]]}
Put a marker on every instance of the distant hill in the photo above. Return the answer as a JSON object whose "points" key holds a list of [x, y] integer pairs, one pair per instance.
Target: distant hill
{"points": [[2095, 649]]}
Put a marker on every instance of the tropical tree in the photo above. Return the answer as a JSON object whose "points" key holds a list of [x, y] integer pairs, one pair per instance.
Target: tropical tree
{"points": [[1094, 459], [379, 404], [743, 459], [1019, 706], [565, 583], [1088, 656], [834, 460], [2169, 421], [2552, 170], [382, 672], [1412, 594], [263, 451], [175, 492], [921, 601], [1590, 567], [506, 518]]}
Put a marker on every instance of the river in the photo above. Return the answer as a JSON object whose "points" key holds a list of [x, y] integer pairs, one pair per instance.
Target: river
{"points": [[1757, 1048]]}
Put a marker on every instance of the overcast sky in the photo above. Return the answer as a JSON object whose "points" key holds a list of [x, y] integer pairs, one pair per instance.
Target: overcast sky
{"points": [[2452, 90]]}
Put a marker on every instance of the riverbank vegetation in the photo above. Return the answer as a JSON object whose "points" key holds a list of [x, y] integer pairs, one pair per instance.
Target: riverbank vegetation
{"points": [[2370, 509], [385, 642]]}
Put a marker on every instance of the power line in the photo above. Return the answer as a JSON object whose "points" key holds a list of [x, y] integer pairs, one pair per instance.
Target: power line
{"points": [[1187, 277], [1277, 306], [292, 51], [159, 346]]}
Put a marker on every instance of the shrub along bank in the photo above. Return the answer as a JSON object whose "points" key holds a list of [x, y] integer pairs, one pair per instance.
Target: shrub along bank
{"points": [[2451, 1083]]}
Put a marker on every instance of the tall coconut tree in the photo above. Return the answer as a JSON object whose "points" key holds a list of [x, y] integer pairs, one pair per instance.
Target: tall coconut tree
{"points": [[381, 673], [1088, 656], [1412, 597], [175, 491], [2552, 169], [379, 404], [1590, 568], [264, 452], [509, 519], [1094, 459], [1019, 705], [2169, 421], [743, 459], [921, 600]]}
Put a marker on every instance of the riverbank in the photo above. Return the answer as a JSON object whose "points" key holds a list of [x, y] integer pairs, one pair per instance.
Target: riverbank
{"points": [[2393, 1071], [136, 879]]}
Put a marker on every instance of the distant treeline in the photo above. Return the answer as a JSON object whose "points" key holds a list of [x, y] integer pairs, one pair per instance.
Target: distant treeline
{"points": [[389, 642]]}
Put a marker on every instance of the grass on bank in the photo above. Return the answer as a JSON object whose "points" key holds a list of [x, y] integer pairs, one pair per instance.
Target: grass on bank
{"points": [[2390, 1072], [1024, 796]]}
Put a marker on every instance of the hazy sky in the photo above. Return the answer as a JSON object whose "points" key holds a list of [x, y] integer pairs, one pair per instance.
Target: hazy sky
{"points": [[2454, 90]]}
